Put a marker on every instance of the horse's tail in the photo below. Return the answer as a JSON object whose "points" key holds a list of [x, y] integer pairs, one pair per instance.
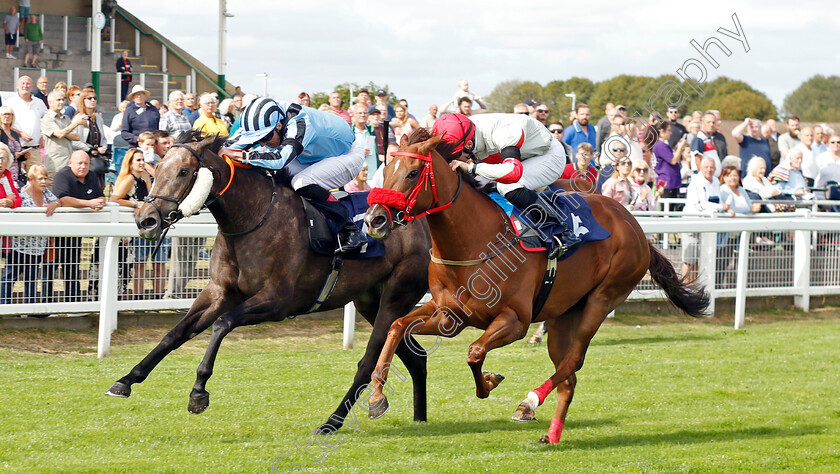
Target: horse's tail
{"points": [[683, 295]]}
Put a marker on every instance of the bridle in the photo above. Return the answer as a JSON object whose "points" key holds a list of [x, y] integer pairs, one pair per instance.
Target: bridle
{"points": [[176, 215], [389, 198]]}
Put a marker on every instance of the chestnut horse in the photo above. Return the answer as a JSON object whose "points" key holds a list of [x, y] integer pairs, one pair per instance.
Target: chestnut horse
{"points": [[480, 277], [262, 268]]}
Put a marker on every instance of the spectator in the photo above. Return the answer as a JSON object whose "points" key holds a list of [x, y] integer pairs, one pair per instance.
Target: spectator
{"points": [[162, 109], [604, 126], [382, 100], [618, 186], [363, 97], [463, 91], [521, 109], [668, 164], [92, 135], [403, 125], [788, 177], [163, 142], [697, 115], [542, 112], [124, 67], [644, 198], [9, 137], [207, 122], [132, 187], [817, 146], [733, 194], [224, 112], [11, 26], [27, 252], [429, 120], [556, 129], [809, 164], [465, 106], [581, 131], [33, 36], [717, 137], [9, 196], [74, 93], [189, 104], [678, 130], [146, 143], [752, 144], [703, 195], [175, 121], [772, 143], [116, 122], [75, 187], [60, 136], [365, 135], [139, 116], [756, 180], [532, 107], [704, 147], [693, 129], [832, 156], [245, 100], [237, 107], [790, 138], [359, 183], [42, 89], [28, 112], [335, 106], [583, 167]]}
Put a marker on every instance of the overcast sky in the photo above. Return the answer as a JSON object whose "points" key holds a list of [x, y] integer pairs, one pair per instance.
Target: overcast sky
{"points": [[421, 49]]}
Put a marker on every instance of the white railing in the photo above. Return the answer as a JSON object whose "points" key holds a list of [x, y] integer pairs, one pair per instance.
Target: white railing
{"points": [[792, 262]]}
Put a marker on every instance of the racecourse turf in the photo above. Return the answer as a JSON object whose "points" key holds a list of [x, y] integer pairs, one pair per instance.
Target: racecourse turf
{"points": [[675, 395]]}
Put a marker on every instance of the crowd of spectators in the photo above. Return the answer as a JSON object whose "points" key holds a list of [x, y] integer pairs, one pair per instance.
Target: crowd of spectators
{"points": [[56, 150]]}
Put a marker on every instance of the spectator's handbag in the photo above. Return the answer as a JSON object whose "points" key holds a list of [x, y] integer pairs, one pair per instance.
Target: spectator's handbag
{"points": [[99, 165]]}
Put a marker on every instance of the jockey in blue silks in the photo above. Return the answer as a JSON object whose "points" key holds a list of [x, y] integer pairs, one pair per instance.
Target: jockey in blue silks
{"points": [[316, 148]]}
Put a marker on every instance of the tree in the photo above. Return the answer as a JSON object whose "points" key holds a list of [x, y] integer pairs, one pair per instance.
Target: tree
{"points": [[509, 93], [633, 92], [744, 103], [815, 100]]}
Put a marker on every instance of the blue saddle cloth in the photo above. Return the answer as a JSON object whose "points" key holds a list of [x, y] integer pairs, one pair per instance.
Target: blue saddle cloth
{"points": [[322, 239], [571, 209]]}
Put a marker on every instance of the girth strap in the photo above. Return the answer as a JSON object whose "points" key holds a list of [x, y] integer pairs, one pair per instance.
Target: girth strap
{"points": [[545, 289], [329, 283]]}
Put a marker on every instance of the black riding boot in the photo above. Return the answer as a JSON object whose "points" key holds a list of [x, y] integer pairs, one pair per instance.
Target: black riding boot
{"points": [[524, 198], [350, 237]]}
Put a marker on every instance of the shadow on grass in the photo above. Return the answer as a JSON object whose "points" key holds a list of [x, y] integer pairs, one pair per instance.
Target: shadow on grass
{"points": [[446, 428], [655, 339], [690, 437]]}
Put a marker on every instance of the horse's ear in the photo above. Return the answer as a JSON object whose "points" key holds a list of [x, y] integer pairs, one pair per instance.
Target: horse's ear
{"points": [[427, 146], [207, 141], [403, 142]]}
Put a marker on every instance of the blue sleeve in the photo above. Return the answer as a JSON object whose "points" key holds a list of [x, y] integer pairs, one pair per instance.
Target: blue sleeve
{"points": [[697, 145], [126, 132]]}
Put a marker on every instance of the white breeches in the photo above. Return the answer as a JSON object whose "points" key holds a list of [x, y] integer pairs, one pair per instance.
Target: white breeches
{"points": [[329, 173], [539, 171]]}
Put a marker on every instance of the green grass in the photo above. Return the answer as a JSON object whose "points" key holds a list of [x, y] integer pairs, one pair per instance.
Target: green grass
{"points": [[681, 396]]}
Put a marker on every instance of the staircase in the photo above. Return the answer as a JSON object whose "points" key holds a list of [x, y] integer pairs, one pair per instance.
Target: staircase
{"points": [[76, 58]]}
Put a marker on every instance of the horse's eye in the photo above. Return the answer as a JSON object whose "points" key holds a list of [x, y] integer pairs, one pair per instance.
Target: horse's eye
{"points": [[183, 172], [412, 174]]}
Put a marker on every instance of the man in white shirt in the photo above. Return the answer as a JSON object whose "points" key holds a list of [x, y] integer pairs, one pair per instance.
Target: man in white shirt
{"points": [[809, 164], [28, 112]]}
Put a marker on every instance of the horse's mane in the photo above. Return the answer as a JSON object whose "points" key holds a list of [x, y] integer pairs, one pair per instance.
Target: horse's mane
{"points": [[421, 134], [195, 136]]}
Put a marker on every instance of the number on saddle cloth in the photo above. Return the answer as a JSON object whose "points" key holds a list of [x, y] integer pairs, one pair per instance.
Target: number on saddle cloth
{"points": [[325, 220]]}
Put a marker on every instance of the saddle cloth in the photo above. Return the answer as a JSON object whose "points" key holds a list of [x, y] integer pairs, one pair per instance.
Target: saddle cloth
{"points": [[323, 240], [571, 209]]}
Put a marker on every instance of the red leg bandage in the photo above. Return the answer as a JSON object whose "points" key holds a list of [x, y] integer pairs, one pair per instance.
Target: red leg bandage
{"points": [[554, 430], [544, 390]]}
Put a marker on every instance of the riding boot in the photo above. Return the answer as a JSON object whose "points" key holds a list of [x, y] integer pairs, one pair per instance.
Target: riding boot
{"points": [[525, 198], [350, 238]]}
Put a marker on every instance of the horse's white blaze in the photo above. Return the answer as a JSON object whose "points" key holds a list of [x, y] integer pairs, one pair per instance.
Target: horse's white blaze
{"points": [[201, 189], [396, 167]]}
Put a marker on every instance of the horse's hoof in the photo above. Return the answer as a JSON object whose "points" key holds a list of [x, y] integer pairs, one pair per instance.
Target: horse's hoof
{"points": [[524, 413], [378, 408], [119, 389], [325, 430], [199, 403], [544, 440]]}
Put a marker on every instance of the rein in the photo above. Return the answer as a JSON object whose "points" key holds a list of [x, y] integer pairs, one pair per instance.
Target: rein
{"points": [[388, 198], [177, 214]]}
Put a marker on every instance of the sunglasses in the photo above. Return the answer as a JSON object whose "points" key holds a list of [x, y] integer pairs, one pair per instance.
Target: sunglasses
{"points": [[834, 142], [616, 150], [556, 130], [624, 163], [643, 170], [523, 113], [90, 98], [542, 110]]}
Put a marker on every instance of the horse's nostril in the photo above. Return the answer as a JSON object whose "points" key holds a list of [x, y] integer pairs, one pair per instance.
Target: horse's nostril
{"points": [[148, 223], [378, 222]]}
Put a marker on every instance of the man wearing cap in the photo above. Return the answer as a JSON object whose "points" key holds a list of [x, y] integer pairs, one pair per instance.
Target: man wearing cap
{"points": [[581, 130], [532, 107], [124, 66], [317, 149], [382, 99], [139, 116]]}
